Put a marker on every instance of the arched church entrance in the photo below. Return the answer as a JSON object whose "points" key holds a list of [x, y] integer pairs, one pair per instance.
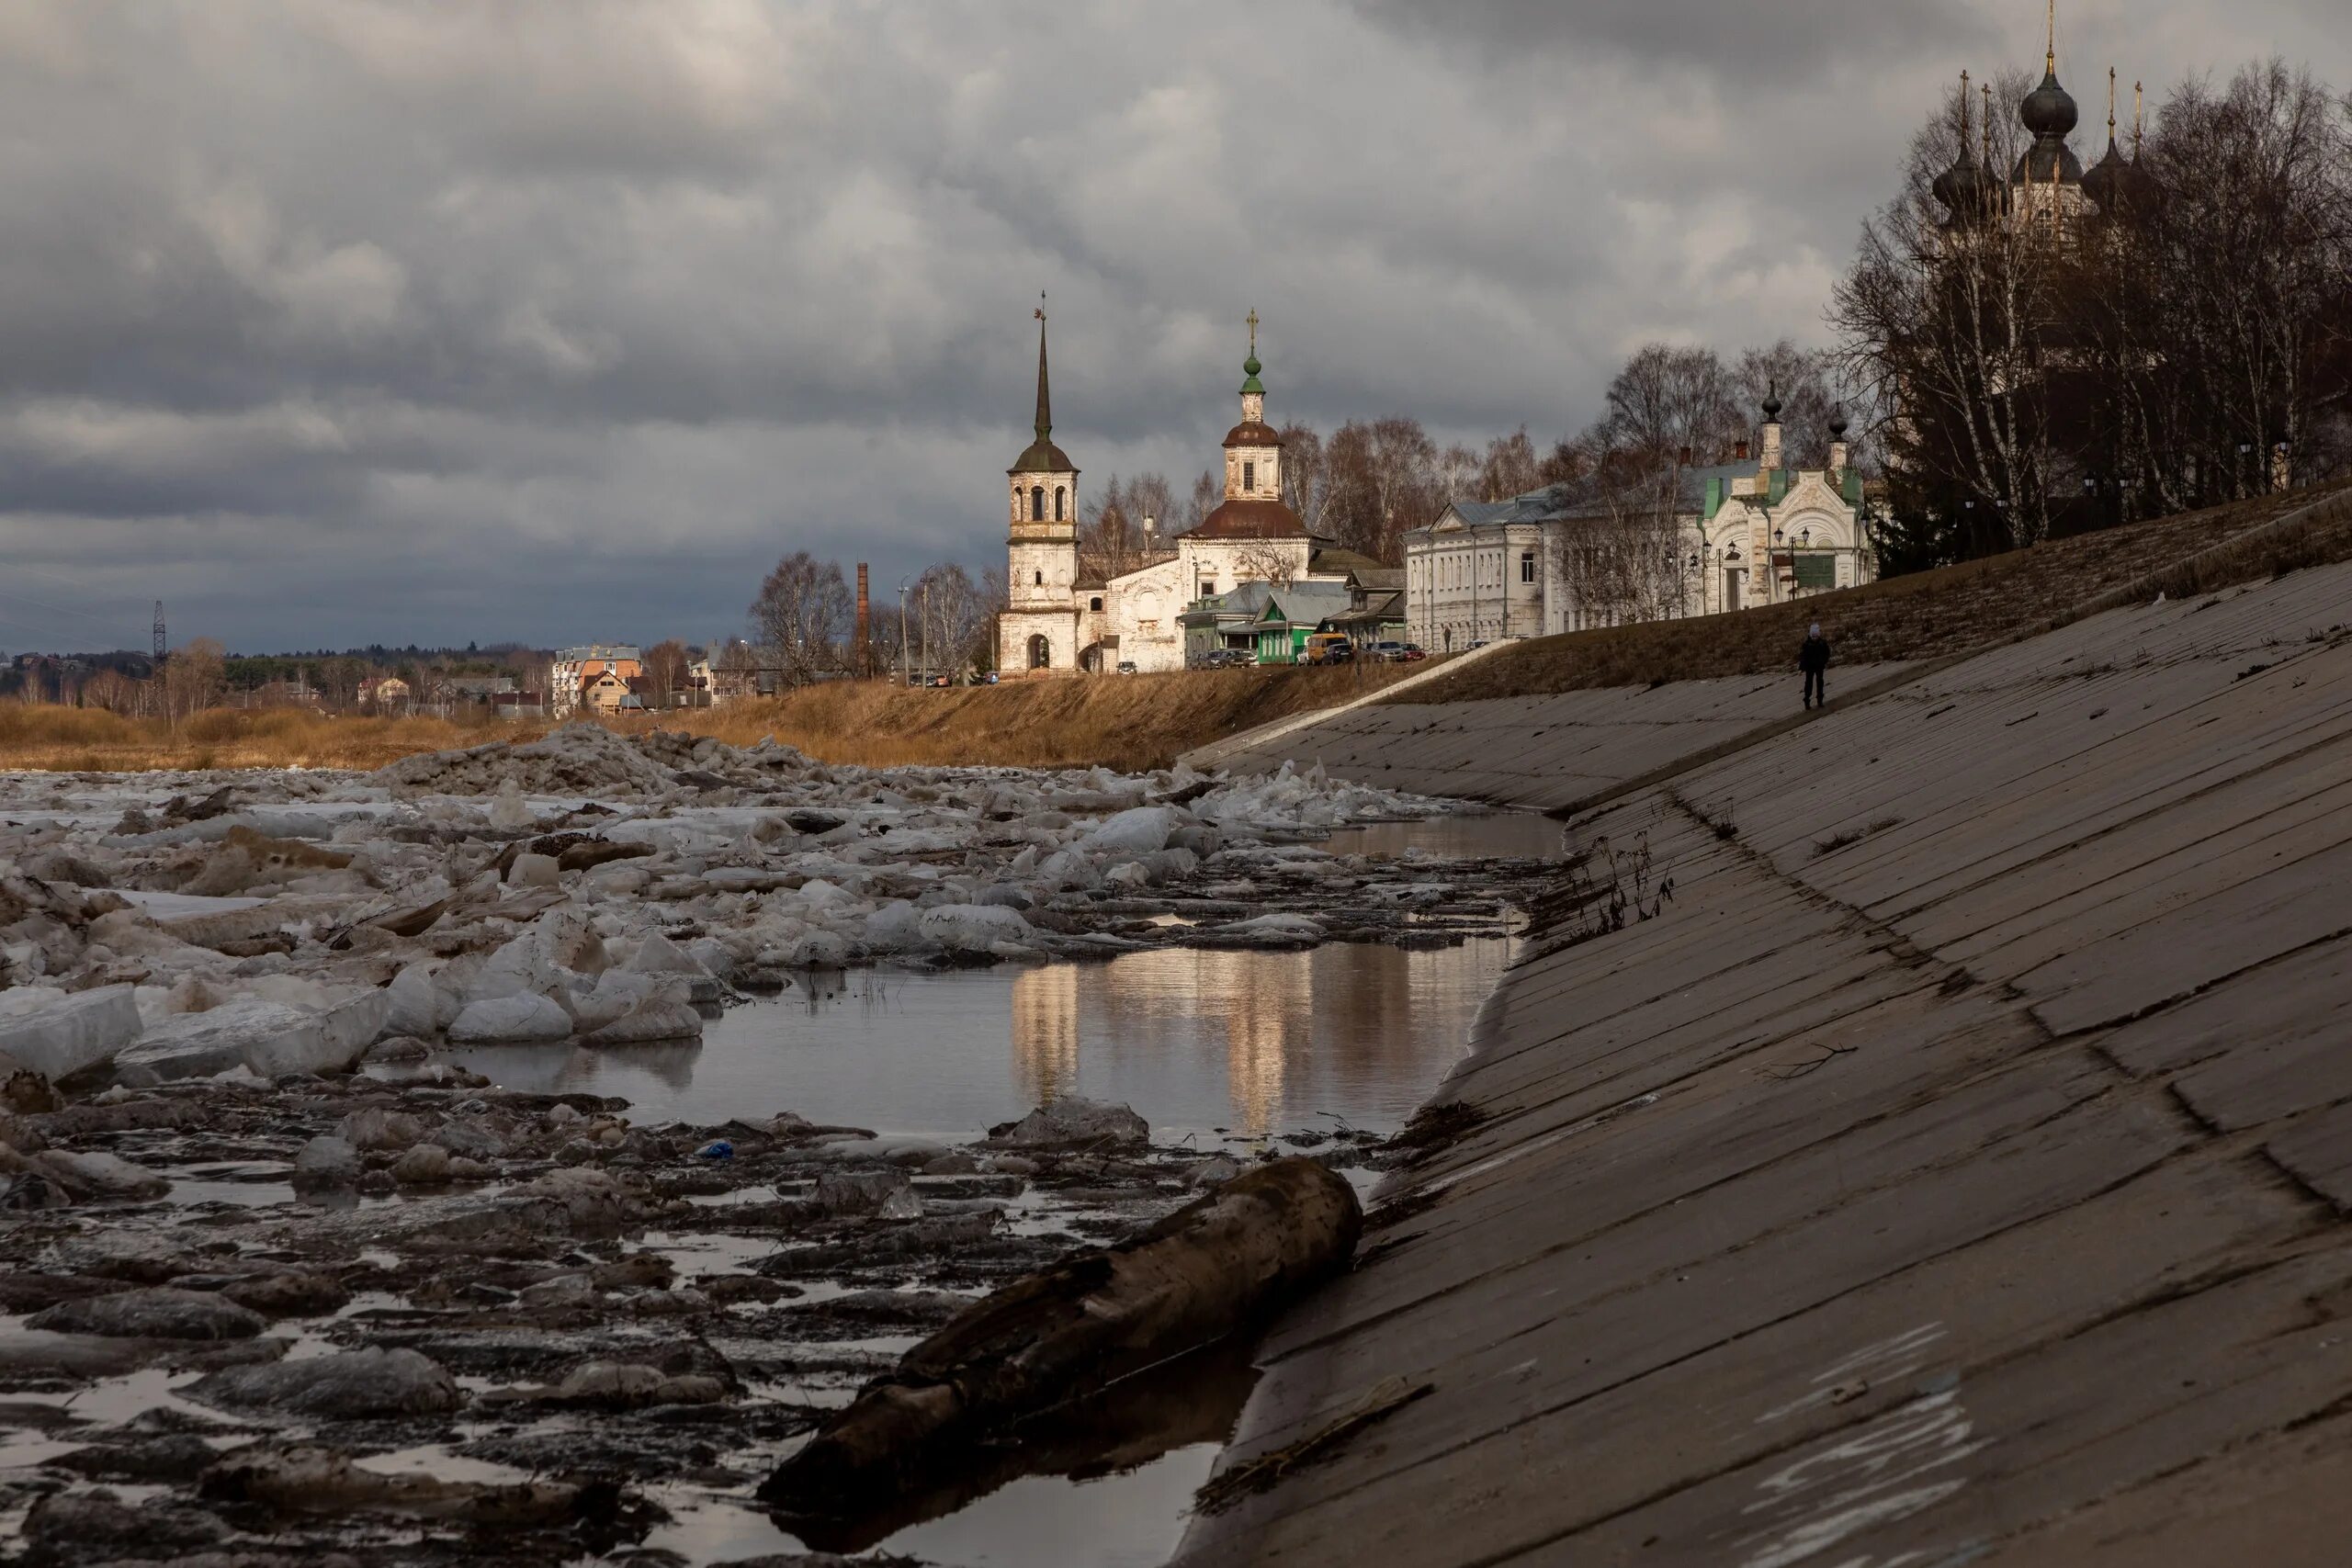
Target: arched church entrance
{"points": [[1091, 659], [1041, 652]]}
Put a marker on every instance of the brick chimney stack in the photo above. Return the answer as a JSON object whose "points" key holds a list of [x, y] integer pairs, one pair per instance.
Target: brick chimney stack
{"points": [[864, 660]]}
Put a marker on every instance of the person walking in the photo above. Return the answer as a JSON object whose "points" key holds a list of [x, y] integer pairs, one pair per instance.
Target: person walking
{"points": [[1813, 658]]}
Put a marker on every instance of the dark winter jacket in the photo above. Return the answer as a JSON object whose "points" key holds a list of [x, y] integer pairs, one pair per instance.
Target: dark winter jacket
{"points": [[1814, 654]]}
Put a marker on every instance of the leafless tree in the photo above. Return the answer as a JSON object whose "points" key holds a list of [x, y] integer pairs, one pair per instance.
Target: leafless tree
{"points": [[664, 669], [802, 615], [1307, 489], [1620, 563], [193, 677], [1110, 538], [1149, 499], [1266, 563], [1207, 491], [952, 616], [1952, 314], [1800, 380], [1383, 480], [1509, 469], [1666, 400]]}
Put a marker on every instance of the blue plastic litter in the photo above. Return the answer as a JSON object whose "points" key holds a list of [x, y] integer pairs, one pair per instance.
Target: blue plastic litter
{"points": [[717, 1148]]}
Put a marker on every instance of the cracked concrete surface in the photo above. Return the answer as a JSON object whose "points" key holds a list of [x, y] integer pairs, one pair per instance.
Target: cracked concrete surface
{"points": [[1954, 1171]]}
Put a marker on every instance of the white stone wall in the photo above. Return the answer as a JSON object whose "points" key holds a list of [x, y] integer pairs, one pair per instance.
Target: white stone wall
{"points": [[1253, 473], [1015, 628], [1219, 566], [1140, 610], [1474, 584], [1050, 482]]}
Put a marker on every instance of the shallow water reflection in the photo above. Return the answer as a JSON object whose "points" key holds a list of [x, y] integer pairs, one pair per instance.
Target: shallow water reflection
{"points": [[1255, 1042]]}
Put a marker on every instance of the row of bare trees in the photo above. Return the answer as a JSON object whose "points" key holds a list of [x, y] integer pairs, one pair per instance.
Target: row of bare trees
{"points": [[803, 624], [2180, 342]]}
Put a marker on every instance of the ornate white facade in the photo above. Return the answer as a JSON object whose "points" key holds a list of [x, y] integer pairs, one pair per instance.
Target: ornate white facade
{"points": [[1057, 623], [1742, 534]]}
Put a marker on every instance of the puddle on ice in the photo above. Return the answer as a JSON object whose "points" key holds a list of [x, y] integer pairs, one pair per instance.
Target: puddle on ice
{"points": [[1130, 1520], [1254, 1043]]}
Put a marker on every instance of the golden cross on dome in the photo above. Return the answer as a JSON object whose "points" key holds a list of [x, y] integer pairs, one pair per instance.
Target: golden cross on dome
{"points": [[1253, 329]]}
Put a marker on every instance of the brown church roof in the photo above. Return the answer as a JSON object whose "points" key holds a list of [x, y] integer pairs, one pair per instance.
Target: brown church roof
{"points": [[1252, 433], [1244, 519]]}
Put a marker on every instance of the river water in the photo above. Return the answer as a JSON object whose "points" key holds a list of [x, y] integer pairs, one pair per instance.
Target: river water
{"points": [[1239, 1045], [1228, 1047]]}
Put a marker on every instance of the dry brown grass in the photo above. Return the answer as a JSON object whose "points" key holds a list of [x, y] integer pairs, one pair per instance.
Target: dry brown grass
{"points": [[63, 740], [1129, 721], [1119, 721], [1931, 613]]}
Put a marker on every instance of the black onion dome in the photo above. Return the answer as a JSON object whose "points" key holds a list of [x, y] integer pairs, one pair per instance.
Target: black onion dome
{"points": [[2050, 110], [1968, 191], [1838, 426], [2109, 181], [1772, 402]]}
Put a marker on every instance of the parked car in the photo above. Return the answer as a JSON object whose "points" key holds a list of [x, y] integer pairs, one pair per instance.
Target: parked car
{"points": [[1328, 647], [943, 680], [989, 679], [1413, 651], [1126, 666], [1387, 652], [1480, 643]]}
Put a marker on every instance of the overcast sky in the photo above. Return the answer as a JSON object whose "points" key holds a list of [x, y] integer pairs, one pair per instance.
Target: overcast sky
{"points": [[332, 322]]}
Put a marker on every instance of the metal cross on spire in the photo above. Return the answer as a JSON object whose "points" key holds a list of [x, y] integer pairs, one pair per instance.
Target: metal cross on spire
{"points": [[1040, 311], [2052, 56], [1252, 318]]}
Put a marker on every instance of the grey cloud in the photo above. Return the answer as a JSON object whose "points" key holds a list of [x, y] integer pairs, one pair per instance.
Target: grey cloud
{"points": [[560, 319]]}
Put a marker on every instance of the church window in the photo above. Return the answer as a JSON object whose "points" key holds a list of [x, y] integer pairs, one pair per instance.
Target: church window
{"points": [[1095, 602], [1041, 578], [1249, 476], [1527, 566], [1037, 503], [1057, 503]]}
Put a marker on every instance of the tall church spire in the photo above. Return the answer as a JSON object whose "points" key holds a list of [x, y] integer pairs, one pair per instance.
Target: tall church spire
{"points": [[1044, 400], [1043, 456]]}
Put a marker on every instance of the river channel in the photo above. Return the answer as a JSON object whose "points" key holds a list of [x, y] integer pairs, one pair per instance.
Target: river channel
{"points": [[1228, 1047]]}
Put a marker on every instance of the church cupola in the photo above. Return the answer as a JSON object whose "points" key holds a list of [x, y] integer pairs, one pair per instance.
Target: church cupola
{"points": [[1253, 450], [1045, 482], [1771, 456], [2107, 181], [1253, 506], [2049, 112], [1970, 191]]}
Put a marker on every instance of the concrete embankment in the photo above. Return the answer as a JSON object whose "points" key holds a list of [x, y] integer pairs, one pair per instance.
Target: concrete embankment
{"points": [[1545, 753], [1942, 1155]]}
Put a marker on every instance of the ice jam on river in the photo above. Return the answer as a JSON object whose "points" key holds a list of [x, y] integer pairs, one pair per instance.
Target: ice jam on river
{"points": [[520, 1150]]}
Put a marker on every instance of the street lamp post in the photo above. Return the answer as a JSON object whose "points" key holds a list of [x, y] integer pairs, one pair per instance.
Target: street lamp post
{"points": [[903, 671]]}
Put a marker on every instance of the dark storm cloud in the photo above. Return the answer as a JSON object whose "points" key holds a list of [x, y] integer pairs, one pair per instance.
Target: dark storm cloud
{"points": [[1763, 42], [560, 319]]}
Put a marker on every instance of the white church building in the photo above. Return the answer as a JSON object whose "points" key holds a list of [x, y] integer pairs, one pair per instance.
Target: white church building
{"points": [[1058, 623], [1742, 534]]}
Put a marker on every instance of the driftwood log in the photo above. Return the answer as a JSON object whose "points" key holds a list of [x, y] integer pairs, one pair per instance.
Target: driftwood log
{"points": [[1213, 1269]]}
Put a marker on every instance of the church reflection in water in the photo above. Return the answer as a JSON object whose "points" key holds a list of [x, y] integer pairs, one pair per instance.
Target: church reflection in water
{"points": [[1344, 1032]]}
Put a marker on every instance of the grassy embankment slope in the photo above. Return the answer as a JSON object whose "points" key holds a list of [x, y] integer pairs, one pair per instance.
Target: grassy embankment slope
{"points": [[1129, 721], [1929, 615]]}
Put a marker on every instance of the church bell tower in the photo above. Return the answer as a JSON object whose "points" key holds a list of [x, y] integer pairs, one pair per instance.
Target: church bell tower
{"points": [[1040, 627]]}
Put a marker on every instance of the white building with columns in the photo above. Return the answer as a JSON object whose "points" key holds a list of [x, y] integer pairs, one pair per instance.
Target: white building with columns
{"points": [[1057, 623], [1741, 534]]}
